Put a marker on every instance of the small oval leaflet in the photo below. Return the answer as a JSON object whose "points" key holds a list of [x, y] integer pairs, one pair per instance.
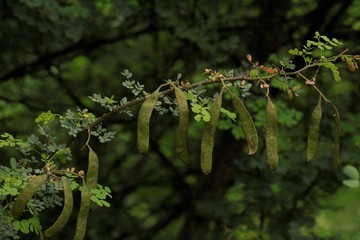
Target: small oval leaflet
{"points": [[271, 135], [351, 172], [208, 137], [351, 183], [143, 122]]}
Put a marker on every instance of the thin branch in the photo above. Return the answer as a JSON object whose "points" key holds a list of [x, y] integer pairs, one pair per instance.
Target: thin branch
{"points": [[136, 101]]}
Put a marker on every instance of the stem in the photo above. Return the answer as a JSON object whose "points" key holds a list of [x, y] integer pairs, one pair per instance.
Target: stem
{"points": [[215, 81]]}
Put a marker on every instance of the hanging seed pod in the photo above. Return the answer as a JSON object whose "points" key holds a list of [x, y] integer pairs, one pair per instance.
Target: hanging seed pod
{"points": [[313, 135], [181, 133], [143, 132], [336, 149], [26, 194], [82, 217], [93, 169], [66, 212], [208, 137], [247, 123], [271, 135]]}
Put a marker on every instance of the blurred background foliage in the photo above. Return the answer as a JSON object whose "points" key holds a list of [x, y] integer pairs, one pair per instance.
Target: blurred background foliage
{"points": [[56, 53]]}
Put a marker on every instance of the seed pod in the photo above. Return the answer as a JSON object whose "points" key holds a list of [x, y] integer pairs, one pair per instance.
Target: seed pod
{"points": [[271, 135], [26, 194], [145, 112], [208, 137], [352, 65], [66, 212], [313, 135], [83, 213], [93, 169], [247, 123], [336, 149], [181, 133]]}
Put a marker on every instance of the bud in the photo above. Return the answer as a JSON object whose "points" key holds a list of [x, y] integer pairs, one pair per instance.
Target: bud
{"points": [[249, 57]]}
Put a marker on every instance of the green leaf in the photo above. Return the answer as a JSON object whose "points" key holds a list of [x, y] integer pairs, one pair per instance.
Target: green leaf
{"points": [[196, 108], [107, 189], [254, 73], [351, 183], [334, 40], [96, 200], [229, 114], [24, 226], [334, 70], [105, 204], [294, 51], [46, 118], [197, 117], [206, 116], [13, 163], [351, 172], [325, 38]]}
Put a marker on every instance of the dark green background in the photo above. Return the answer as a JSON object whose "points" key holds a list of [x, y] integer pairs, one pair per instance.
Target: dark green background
{"points": [[55, 53]]}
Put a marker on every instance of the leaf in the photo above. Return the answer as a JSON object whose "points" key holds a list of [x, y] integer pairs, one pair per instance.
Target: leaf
{"points": [[229, 114], [336, 41], [294, 51], [254, 73], [334, 70], [143, 131], [246, 122], [105, 204], [325, 38], [46, 118], [13, 163], [351, 183], [178, 76], [351, 172]]}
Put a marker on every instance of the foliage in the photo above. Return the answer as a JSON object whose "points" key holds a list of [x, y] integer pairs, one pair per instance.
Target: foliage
{"points": [[43, 158]]}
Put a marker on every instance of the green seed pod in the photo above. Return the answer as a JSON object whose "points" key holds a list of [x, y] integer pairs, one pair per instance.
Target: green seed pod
{"points": [[82, 217], [143, 132], [313, 135], [247, 123], [181, 133], [66, 212], [26, 194], [271, 135], [93, 169], [208, 137], [336, 149]]}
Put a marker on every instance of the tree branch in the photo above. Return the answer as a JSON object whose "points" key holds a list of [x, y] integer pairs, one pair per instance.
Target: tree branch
{"points": [[51, 58]]}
